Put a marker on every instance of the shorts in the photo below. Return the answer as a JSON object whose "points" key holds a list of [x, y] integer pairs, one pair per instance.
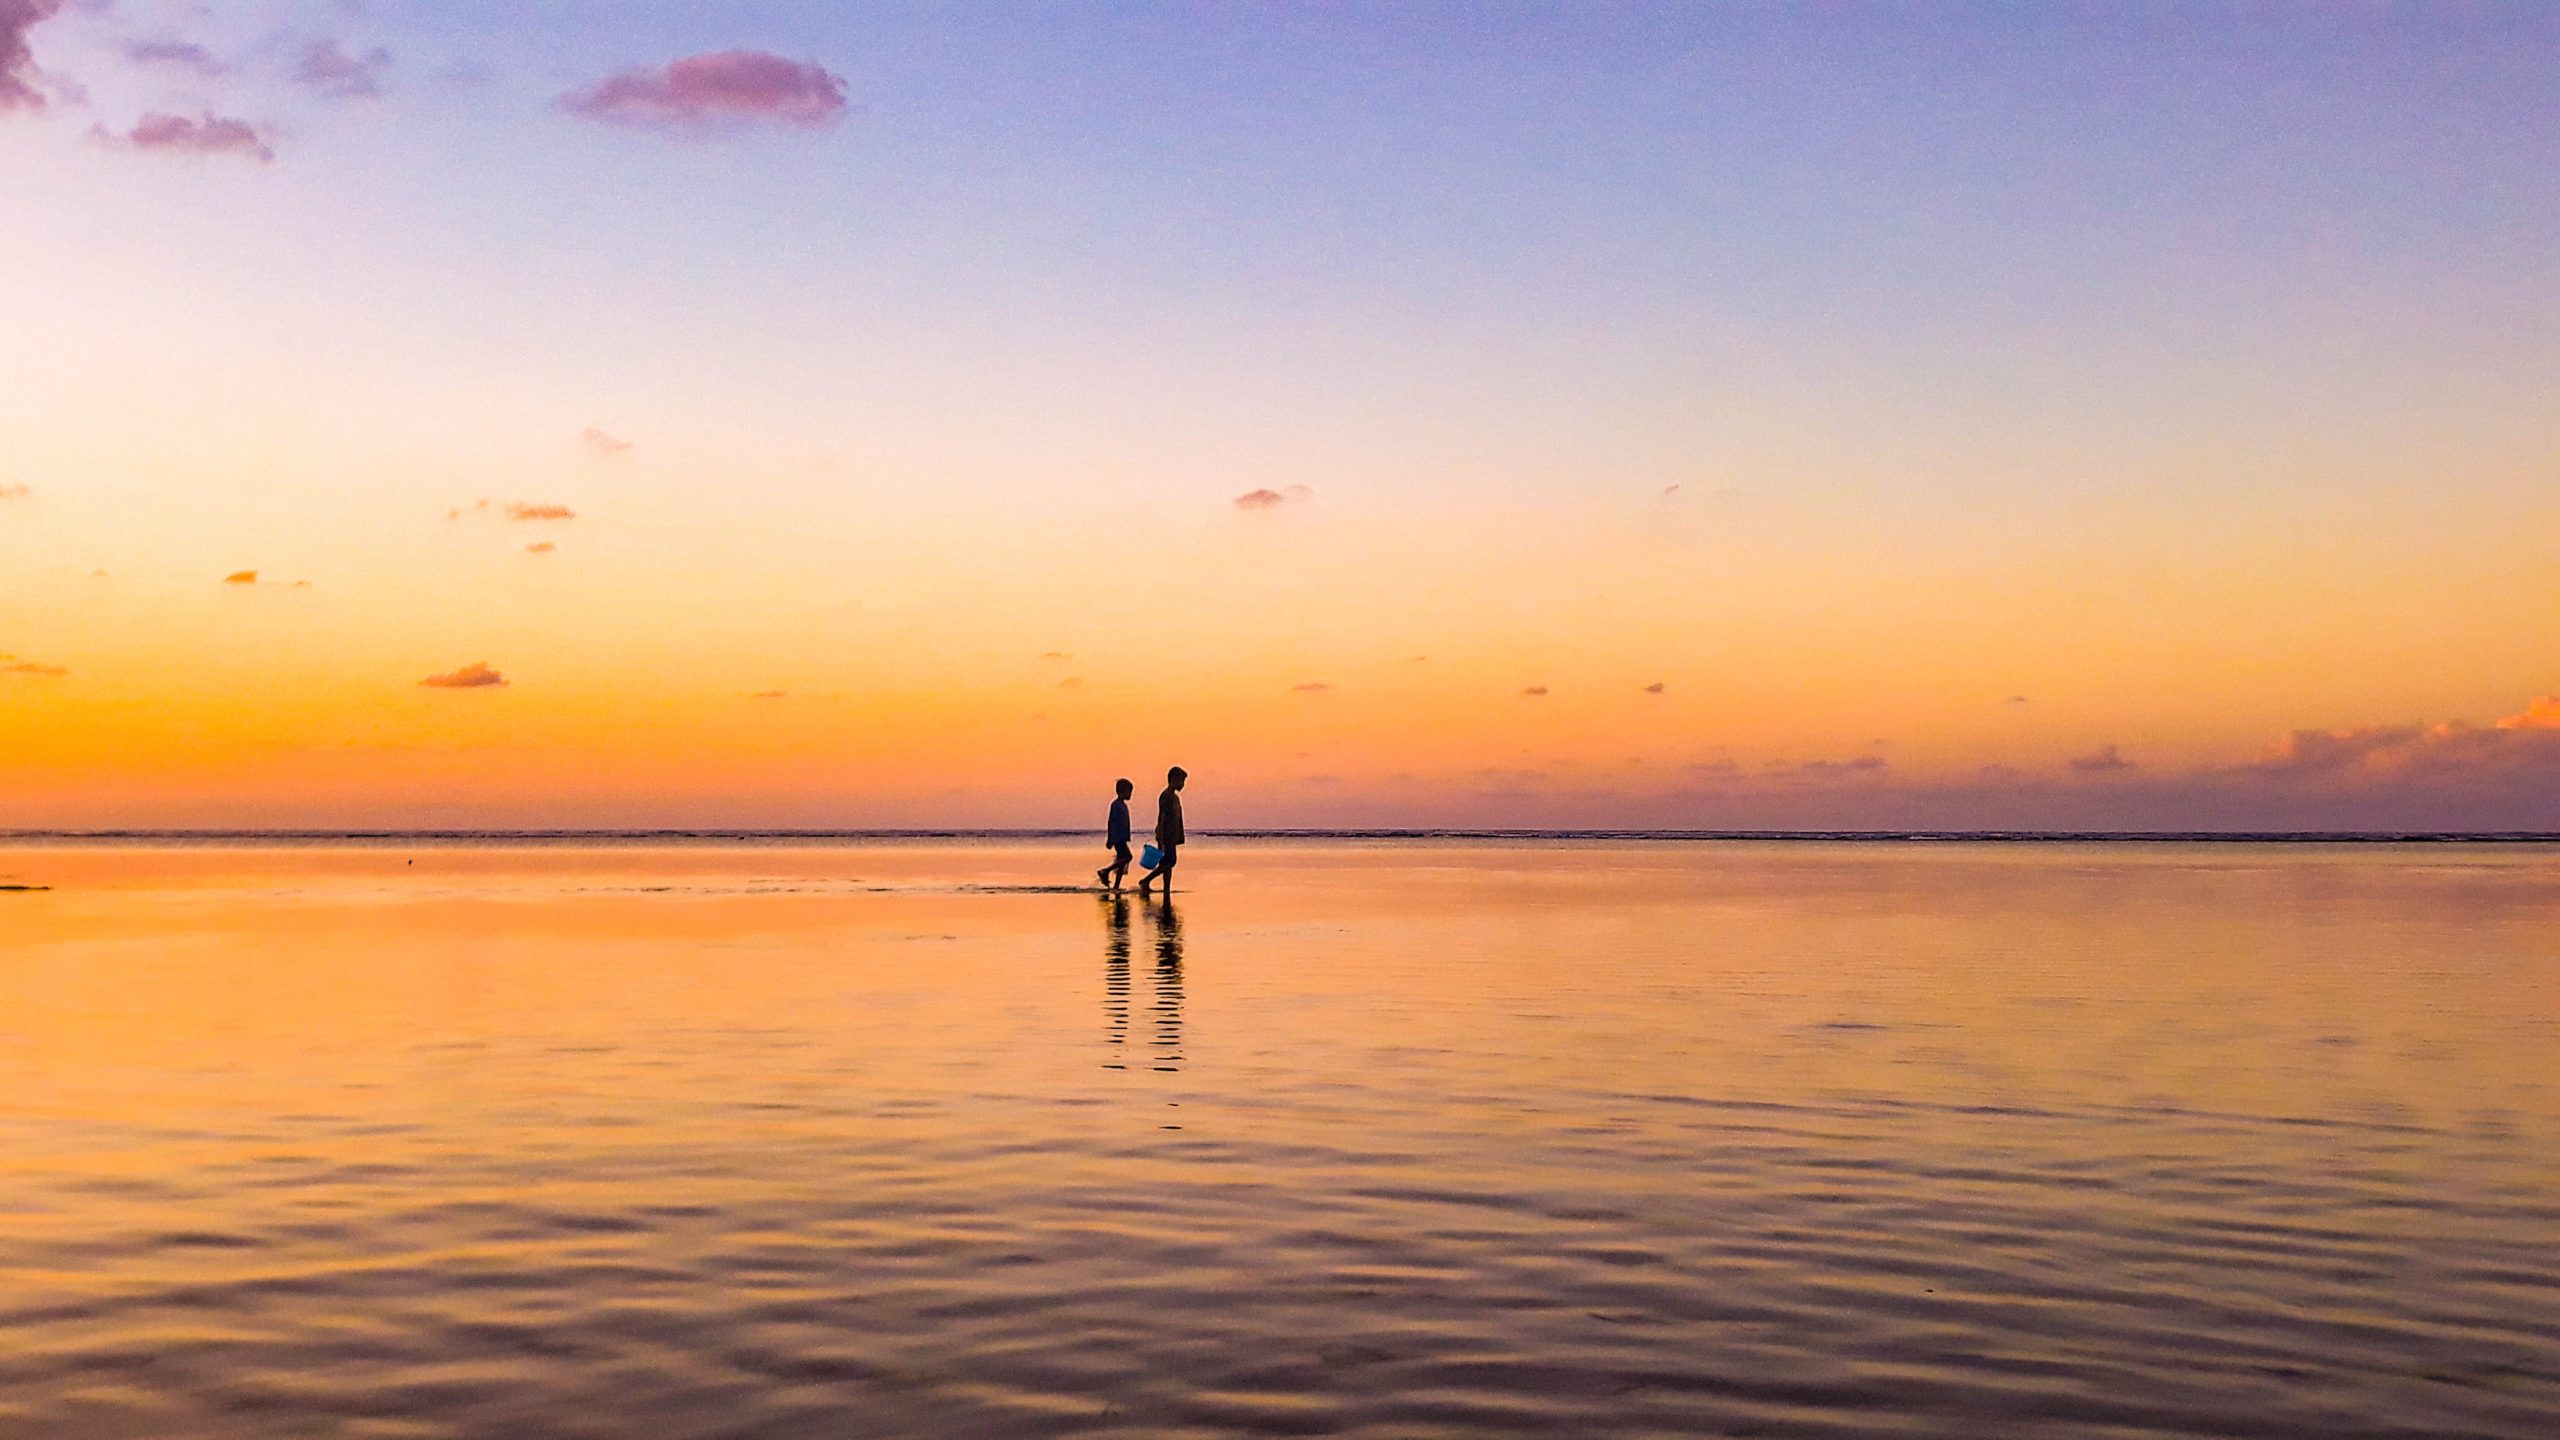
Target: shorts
{"points": [[1119, 852]]}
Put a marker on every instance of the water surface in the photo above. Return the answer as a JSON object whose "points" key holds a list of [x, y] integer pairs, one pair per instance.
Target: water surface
{"points": [[1373, 1139]]}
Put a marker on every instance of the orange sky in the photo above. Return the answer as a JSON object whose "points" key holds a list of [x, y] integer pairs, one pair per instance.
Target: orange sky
{"points": [[1903, 507]]}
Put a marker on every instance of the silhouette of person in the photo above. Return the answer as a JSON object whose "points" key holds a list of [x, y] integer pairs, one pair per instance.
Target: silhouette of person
{"points": [[1168, 830], [1116, 835]]}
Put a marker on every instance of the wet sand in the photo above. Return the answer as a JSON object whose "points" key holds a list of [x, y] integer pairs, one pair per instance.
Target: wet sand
{"points": [[1392, 1140]]}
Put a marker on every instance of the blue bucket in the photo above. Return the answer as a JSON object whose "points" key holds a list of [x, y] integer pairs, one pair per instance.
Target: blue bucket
{"points": [[1151, 857]]}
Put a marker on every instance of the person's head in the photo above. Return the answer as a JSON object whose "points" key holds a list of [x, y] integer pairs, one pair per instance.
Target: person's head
{"points": [[1175, 776], [1123, 789]]}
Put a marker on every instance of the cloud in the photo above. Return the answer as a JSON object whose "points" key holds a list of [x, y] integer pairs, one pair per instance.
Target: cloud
{"points": [[1057, 655], [1835, 769], [527, 510], [769, 695], [197, 135], [326, 67], [728, 87], [14, 491], [2015, 700], [601, 444], [12, 665], [2100, 761], [17, 61], [1656, 688], [2542, 714], [540, 547], [1266, 499], [1072, 682], [176, 55], [1312, 687], [474, 676], [1535, 690], [241, 577]]}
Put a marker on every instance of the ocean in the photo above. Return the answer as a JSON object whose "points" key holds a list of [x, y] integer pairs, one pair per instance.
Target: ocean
{"points": [[1460, 1135]]}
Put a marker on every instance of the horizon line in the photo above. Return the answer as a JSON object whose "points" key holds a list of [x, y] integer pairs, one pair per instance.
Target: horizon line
{"points": [[683, 833]]}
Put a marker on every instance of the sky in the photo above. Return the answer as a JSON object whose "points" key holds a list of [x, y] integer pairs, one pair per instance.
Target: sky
{"points": [[1751, 416]]}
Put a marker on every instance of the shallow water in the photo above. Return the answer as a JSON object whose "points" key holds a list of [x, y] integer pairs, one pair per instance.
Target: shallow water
{"points": [[1391, 1140]]}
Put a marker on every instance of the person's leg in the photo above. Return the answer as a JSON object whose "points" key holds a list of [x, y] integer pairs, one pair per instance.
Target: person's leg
{"points": [[1164, 872]]}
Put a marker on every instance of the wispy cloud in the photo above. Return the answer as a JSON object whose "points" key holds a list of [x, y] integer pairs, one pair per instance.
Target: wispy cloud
{"points": [[1312, 687], [12, 665], [1535, 690], [17, 61], [1656, 688], [769, 695], [601, 444], [1268, 499], [728, 87], [528, 510], [540, 547], [330, 69], [1839, 769], [192, 135], [1057, 655], [2103, 760], [176, 55], [11, 490], [474, 676], [241, 577]]}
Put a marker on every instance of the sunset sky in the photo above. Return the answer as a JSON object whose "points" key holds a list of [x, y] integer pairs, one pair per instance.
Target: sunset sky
{"points": [[841, 415]]}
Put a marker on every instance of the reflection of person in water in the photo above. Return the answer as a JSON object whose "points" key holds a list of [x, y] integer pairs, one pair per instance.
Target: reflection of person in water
{"points": [[1115, 975], [1168, 1042]]}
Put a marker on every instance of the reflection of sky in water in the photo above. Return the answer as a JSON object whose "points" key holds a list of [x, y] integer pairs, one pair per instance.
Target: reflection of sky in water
{"points": [[1567, 1139]]}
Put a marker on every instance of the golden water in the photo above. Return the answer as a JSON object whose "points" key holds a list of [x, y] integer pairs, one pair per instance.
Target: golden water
{"points": [[1390, 1139]]}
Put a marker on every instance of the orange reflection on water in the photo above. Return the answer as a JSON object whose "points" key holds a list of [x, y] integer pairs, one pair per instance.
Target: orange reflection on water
{"points": [[1567, 1138]]}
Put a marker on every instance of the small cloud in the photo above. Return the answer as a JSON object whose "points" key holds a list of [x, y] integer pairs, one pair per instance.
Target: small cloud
{"points": [[2099, 761], [17, 62], [1535, 690], [12, 665], [474, 676], [2015, 700], [1419, 660], [602, 445], [1825, 769], [526, 510], [191, 135], [540, 547], [2542, 714], [769, 695], [1072, 682], [175, 55], [11, 491], [1312, 687], [728, 87], [326, 67], [1267, 499], [1669, 490], [1656, 688], [241, 577], [1056, 655]]}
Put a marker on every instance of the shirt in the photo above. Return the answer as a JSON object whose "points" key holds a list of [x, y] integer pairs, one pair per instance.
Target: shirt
{"points": [[1119, 824], [1169, 817]]}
